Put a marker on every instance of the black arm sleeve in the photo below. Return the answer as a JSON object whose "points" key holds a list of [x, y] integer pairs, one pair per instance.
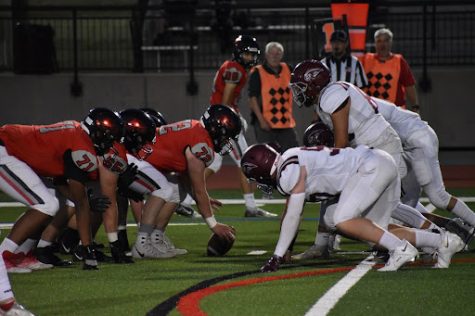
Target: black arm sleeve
{"points": [[254, 87], [71, 171]]}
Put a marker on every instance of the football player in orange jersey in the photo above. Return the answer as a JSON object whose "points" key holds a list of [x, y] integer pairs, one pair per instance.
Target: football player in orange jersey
{"points": [[67, 149], [228, 83], [184, 148], [139, 134]]}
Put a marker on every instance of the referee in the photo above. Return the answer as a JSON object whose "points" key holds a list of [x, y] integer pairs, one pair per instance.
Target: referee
{"points": [[343, 66]]}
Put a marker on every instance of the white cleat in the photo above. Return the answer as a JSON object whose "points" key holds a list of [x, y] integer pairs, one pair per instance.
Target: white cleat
{"points": [[16, 310], [145, 249], [401, 255], [450, 244], [313, 252], [161, 241], [258, 212]]}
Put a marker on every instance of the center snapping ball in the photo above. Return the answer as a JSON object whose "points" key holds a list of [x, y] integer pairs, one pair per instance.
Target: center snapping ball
{"points": [[218, 246]]}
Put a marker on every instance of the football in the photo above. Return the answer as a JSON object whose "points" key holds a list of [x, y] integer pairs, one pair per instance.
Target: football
{"points": [[218, 246]]}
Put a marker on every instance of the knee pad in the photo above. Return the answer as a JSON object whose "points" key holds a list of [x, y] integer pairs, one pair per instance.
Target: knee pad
{"points": [[440, 198], [49, 207]]}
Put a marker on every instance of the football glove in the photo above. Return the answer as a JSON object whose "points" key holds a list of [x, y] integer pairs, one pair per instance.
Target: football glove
{"points": [[127, 177], [99, 203], [272, 264]]}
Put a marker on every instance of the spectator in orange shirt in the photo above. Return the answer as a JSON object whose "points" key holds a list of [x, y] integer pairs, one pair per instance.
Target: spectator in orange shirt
{"points": [[389, 75]]}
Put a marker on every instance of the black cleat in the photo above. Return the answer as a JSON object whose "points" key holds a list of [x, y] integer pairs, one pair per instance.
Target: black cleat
{"points": [[46, 255], [118, 254], [90, 259]]}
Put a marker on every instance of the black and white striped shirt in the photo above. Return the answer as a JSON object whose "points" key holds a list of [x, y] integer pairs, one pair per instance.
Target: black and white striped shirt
{"points": [[348, 69]]}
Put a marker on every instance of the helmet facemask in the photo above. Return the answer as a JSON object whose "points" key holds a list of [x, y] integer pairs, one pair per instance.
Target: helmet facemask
{"points": [[298, 93]]}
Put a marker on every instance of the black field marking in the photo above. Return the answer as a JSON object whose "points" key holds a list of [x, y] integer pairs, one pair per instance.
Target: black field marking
{"points": [[168, 305]]}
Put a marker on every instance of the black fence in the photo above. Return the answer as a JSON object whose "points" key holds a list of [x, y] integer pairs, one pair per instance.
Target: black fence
{"points": [[171, 38]]}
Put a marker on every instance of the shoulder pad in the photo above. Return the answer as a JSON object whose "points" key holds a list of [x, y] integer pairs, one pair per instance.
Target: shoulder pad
{"points": [[332, 97]]}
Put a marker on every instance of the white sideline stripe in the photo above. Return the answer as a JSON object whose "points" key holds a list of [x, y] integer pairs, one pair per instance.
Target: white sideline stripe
{"points": [[10, 225], [334, 294], [241, 201]]}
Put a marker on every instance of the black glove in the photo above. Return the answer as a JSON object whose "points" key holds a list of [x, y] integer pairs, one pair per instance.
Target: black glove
{"points": [[127, 177], [98, 204], [273, 264]]}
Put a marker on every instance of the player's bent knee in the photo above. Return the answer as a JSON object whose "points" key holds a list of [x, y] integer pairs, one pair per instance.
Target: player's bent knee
{"points": [[439, 198], [165, 193], [50, 207]]}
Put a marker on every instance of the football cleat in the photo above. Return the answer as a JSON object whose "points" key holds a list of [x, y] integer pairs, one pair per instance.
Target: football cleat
{"points": [[184, 210], [88, 255], [16, 310], [46, 255], [272, 264], [27, 262], [11, 263], [458, 227], [399, 256], [450, 244], [313, 252], [119, 254], [160, 239], [258, 212], [144, 249]]}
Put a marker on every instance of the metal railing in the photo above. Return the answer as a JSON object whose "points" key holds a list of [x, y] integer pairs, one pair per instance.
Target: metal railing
{"points": [[128, 38]]}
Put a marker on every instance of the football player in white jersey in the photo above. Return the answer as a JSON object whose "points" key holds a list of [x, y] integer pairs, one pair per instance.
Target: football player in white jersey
{"points": [[369, 186], [421, 146], [354, 118], [346, 109]]}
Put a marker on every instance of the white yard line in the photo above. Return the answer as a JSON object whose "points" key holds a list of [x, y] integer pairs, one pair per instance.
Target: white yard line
{"points": [[241, 201], [333, 295]]}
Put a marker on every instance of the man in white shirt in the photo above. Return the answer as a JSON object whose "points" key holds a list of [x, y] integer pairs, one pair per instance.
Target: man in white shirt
{"points": [[343, 66]]}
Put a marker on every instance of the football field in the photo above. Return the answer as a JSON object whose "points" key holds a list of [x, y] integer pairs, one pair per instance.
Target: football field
{"points": [[194, 284]]}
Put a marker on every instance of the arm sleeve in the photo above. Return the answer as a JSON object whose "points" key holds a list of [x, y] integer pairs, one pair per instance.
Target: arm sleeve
{"points": [[254, 89], [406, 78]]}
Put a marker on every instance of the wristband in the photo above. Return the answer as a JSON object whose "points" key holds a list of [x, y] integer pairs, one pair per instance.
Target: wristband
{"points": [[211, 221]]}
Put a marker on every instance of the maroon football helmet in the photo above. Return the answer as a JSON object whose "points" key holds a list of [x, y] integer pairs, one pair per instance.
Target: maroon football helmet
{"points": [[318, 134], [307, 80], [258, 164]]}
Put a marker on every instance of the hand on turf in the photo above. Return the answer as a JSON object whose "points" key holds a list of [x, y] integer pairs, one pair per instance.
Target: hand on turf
{"points": [[225, 231], [272, 264]]}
